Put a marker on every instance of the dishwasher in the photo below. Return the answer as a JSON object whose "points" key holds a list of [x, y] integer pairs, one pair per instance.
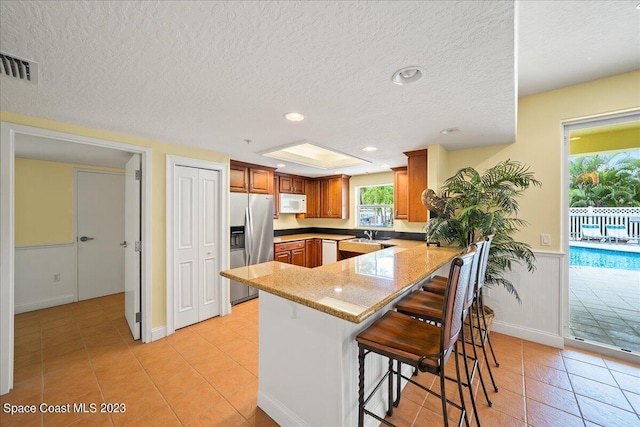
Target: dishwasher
{"points": [[329, 251]]}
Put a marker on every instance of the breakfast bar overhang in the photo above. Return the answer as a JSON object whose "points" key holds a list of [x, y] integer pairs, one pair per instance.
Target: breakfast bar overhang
{"points": [[309, 319]]}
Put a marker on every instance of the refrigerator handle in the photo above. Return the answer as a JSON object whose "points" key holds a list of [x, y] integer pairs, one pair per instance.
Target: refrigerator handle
{"points": [[248, 235]]}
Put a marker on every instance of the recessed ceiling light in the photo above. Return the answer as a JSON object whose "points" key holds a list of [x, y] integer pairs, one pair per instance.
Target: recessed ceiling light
{"points": [[447, 131], [408, 75], [281, 165], [369, 149], [294, 117], [384, 166]]}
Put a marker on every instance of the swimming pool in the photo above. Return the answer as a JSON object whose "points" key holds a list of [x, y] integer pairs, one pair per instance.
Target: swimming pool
{"points": [[591, 257]]}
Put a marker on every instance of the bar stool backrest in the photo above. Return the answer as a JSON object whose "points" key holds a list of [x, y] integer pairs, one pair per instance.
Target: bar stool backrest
{"points": [[484, 260], [474, 276], [454, 299]]}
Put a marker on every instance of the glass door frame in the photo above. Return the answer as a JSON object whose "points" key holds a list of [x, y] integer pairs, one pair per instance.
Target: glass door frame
{"points": [[569, 126]]}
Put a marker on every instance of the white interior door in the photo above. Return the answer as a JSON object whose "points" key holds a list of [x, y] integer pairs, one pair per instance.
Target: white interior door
{"points": [[197, 250], [131, 252], [209, 241], [100, 230]]}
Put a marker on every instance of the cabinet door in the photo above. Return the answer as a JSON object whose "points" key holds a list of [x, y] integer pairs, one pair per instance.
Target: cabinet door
{"points": [[286, 184], [331, 197], [298, 257], [260, 181], [283, 257], [312, 190], [400, 197], [313, 253], [416, 184], [298, 185], [238, 179]]}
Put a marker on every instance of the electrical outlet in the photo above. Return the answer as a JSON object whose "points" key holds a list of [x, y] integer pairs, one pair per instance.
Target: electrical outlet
{"points": [[56, 277], [545, 239], [486, 291]]}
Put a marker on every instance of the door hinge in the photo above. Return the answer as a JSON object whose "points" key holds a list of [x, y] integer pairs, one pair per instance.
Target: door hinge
{"points": [[138, 317], [138, 246], [138, 175]]}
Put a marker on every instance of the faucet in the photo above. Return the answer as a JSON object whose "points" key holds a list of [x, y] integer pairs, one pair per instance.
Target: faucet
{"points": [[370, 234]]}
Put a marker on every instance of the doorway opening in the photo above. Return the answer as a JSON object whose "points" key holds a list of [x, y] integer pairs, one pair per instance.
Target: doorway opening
{"points": [[14, 139], [602, 308]]}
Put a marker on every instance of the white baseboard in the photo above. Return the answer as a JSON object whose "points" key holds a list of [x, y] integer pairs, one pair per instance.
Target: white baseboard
{"points": [[528, 334], [44, 303], [276, 410], [158, 333]]}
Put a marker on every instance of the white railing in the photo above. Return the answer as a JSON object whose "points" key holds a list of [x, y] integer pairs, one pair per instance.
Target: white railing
{"points": [[629, 217]]}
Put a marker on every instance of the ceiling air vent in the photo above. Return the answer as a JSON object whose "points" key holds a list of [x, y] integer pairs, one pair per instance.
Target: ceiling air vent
{"points": [[19, 68]]}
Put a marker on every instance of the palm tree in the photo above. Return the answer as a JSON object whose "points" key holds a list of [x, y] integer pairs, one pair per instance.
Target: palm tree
{"points": [[475, 205], [604, 181]]}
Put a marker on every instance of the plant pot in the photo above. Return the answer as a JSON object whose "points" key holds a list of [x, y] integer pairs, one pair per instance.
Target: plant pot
{"points": [[488, 315]]}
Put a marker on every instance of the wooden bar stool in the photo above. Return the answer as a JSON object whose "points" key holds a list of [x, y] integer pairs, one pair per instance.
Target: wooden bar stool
{"points": [[419, 344], [437, 285], [428, 306]]}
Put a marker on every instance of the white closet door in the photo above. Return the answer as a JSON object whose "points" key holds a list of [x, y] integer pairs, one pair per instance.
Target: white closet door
{"points": [[186, 271], [197, 270], [209, 217]]}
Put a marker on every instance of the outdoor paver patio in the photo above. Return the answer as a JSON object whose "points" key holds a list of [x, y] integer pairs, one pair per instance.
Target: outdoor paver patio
{"points": [[605, 306]]}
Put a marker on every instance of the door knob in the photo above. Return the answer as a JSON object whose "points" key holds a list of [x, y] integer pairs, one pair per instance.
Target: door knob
{"points": [[85, 238], [124, 244]]}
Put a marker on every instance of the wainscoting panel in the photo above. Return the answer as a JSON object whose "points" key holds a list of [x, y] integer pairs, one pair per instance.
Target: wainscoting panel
{"points": [[45, 276], [538, 317]]}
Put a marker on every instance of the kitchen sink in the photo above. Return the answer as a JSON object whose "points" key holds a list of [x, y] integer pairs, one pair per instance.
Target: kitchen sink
{"points": [[363, 240]]}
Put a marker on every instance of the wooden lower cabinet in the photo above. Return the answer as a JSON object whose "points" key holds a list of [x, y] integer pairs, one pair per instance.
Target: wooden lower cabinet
{"points": [[305, 253], [313, 249], [290, 252]]}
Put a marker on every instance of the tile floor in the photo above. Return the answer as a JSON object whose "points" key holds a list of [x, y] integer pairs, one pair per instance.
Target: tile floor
{"points": [[207, 374], [605, 306]]}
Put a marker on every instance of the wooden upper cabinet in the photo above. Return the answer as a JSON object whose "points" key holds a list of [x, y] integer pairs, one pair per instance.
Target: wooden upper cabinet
{"points": [[334, 197], [250, 178], [238, 178], [291, 184], [260, 181], [416, 184], [312, 191], [400, 193]]}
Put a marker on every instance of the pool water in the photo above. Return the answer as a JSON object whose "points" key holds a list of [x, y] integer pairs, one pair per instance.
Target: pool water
{"points": [[591, 257]]}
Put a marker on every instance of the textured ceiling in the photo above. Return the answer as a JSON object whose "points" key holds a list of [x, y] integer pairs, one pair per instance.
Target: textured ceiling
{"points": [[213, 74]]}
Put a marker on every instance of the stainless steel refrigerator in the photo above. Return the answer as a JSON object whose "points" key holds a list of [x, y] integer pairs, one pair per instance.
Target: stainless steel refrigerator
{"points": [[251, 237]]}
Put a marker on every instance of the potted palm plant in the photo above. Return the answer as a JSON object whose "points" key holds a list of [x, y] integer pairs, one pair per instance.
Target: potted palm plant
{"points": [[473, 205]]}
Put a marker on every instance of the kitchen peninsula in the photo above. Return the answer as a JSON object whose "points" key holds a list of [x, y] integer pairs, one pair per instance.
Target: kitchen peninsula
{"points": [[308, 322]]}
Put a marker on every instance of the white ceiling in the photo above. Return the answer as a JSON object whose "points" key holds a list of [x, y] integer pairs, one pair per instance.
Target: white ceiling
{"points": [[214, 74]]}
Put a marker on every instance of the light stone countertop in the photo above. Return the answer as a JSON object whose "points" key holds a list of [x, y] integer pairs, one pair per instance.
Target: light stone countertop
{"points": [[352, 289]]}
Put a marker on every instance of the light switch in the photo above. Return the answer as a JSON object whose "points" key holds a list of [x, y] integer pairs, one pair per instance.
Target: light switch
{"points": [[545, 239]]}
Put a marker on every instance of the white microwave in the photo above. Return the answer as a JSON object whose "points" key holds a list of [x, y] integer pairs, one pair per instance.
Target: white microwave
{"points": [[293, 203]]}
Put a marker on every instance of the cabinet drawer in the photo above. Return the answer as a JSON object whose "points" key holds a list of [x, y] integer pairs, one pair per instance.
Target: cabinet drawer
{"points": [[279, 247]]}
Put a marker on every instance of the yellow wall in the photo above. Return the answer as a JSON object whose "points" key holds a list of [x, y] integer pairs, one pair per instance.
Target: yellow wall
{"points": [[159, 150], [539, 145], [44, 201], [624, 139]]}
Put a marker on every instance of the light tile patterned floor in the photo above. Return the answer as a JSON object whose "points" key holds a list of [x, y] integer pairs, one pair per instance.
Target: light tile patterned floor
{"points": [[605, 306], [207, 374]]}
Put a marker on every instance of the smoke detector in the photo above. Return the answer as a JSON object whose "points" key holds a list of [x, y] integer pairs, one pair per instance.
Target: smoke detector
{"points": [[18, 68]]}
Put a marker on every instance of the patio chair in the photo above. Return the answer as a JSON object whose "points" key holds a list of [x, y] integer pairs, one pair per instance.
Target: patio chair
{"points": [[618, 232], [591, 231]]}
